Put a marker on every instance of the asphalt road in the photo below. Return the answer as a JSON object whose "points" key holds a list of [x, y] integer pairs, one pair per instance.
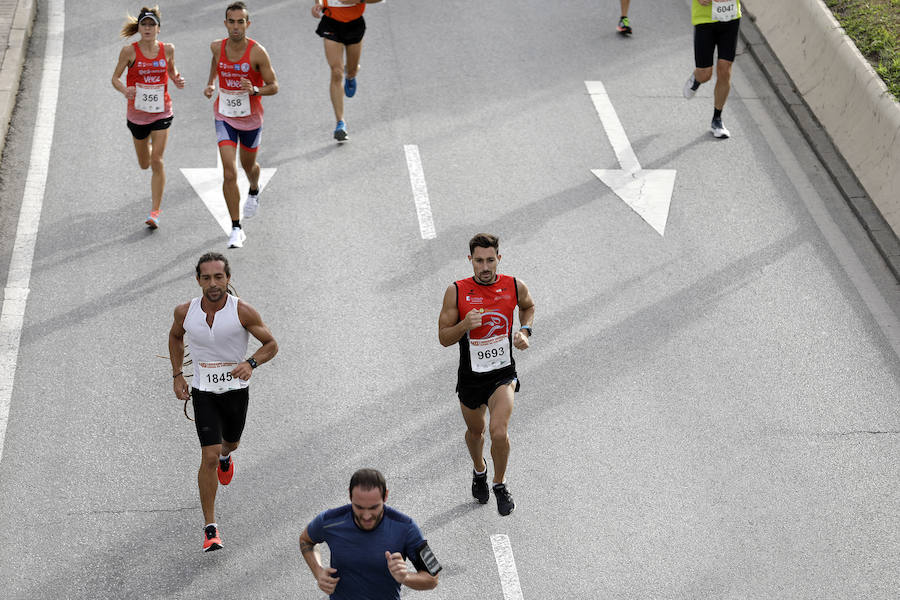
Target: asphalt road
{"points": [[705, 414]]}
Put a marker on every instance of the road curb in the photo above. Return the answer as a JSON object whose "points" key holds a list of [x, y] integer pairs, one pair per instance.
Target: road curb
{"points": [[13, 61], [868, 90]]}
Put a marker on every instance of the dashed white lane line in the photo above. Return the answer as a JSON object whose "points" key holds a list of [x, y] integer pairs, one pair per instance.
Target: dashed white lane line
{"points": [[506, 565], [420, 191], [15, 294]]}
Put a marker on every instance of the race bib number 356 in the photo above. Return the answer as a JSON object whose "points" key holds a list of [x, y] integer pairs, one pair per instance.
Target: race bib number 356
{"points": [[217, 377], [489, 354], [149, 98], [724, 10]]}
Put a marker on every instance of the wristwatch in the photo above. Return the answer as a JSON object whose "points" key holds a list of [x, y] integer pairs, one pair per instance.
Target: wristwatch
{"points": [[255, 91], [252, 362], [526, 328]]}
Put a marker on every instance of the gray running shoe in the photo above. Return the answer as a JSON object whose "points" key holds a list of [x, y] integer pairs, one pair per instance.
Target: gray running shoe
{"points": [[688, 89], [718, 129], [237, 238], [251, 206]]}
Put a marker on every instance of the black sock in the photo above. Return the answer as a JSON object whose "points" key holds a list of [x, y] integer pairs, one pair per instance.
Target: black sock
{"points": [[696, 85], [254, 192], [236, 223], [717, 113]]}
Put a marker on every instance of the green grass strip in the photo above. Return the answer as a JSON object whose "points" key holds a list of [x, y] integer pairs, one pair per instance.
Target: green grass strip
{"points": [[874, 26]]}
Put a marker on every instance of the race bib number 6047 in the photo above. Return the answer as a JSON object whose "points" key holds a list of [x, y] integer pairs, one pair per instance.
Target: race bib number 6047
{"points": [[724, 10]]}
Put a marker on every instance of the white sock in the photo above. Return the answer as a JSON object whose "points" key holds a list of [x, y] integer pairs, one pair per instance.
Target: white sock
{"points": [[223, 458], [482, 472], [208, 524]]}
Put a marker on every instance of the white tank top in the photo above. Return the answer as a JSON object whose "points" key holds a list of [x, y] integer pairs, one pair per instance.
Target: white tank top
{"points": [[216, 350]]}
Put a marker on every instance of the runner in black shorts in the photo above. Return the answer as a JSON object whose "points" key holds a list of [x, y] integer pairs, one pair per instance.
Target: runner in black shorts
{"points": [[716, 26], [150, 64], [218, 326], [477, 314], [342, 28]]}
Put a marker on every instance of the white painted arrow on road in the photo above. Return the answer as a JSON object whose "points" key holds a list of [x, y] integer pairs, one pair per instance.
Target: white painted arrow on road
{"points": [[647, 192], [208, 185]]}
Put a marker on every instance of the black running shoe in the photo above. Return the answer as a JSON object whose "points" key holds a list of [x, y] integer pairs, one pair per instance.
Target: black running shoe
{"points": [[480, 489], [505, 504]]}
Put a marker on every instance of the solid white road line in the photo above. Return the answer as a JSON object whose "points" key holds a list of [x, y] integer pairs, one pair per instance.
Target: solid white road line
{"points": [[15, 294], [420, 192], [506, 565]]}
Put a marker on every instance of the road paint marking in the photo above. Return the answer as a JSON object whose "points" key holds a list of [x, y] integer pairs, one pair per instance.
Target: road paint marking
{"points": [[506, 565], [15, 294], [420, 191], [647, 191], [208, 185]]}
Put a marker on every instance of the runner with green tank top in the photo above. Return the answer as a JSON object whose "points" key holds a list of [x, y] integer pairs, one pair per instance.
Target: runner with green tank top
{"points": [[716, 26]]}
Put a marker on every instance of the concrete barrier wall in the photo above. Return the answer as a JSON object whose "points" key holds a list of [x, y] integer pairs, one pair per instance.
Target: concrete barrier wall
{"points": [[843, 91]]}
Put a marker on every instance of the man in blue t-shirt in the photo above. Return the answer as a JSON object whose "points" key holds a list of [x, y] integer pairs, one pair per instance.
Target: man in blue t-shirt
{"points": [[369, 544]]}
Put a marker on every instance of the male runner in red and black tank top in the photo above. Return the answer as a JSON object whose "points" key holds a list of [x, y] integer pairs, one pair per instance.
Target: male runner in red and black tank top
{"points": [[478, 315], [244, 73]]}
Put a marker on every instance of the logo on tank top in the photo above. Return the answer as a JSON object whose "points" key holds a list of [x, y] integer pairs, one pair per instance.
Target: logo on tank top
{"points": [[497, 322], [474, 300], [245, 67]]}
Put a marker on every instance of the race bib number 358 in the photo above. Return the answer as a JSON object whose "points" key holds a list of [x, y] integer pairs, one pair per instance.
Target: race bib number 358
{"points": [[489, 354], [724, 10], [234, 104]]}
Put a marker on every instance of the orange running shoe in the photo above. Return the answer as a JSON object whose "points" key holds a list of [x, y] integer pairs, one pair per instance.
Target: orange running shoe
{"points": [[225, 470], [211, 539]]}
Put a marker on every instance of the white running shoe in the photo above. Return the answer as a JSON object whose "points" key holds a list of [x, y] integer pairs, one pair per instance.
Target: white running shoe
{"points": [[251, 205], [718, 129], [237, 238], [688, 89]]}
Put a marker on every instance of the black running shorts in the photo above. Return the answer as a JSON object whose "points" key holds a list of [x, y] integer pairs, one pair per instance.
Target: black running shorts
{"points": [[474, 395], [140, 132], [220, 417], [709, 36], [347, 33]]}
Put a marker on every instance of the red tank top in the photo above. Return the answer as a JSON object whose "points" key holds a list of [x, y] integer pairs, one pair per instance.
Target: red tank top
{"points": [[487, 349], [230, 75], [343, 13], [148, 71]]}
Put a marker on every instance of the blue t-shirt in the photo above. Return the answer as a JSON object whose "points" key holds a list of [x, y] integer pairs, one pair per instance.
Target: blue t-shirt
{"points": [[358, 555]]}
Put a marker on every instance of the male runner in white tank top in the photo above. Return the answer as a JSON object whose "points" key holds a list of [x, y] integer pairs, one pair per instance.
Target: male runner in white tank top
{"points": [[218, 326]]}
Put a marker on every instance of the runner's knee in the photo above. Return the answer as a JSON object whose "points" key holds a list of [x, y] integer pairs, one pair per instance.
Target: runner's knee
{"points": [[703, 75], [157, 163], [498, 433]]}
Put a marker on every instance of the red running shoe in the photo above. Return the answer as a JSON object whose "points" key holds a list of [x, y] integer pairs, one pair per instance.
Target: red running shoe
{"points": [[225, 470], [211, 539]]}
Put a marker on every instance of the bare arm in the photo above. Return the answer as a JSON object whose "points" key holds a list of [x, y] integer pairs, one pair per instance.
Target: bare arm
{"points": [[174, 75], [253, 323], [522, 340], [213, 69], [176, 352], [450, 327], [324, 577], [418, 580], [126, 57], [263, 64]]}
